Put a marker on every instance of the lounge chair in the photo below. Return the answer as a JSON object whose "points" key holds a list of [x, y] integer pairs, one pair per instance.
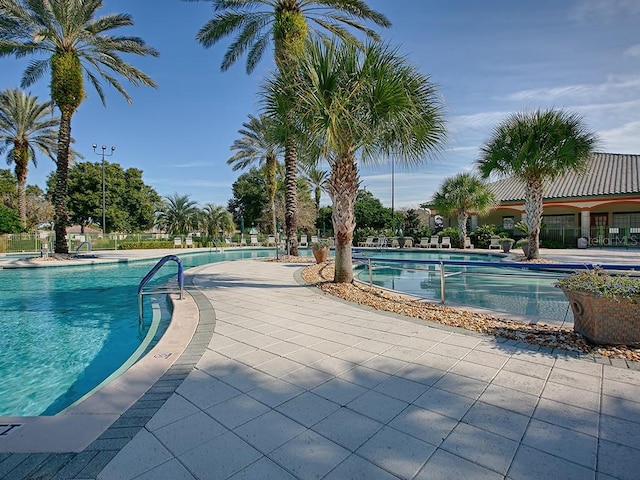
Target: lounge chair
{"points": [[408, 243], [367, 243], [424, 243], [433, 243], [303, 241], [243, 242], [188, 243], [495, 243], [395, 243], [271, 240], [229, 243], [467, 242], [382, 241], [446, 242], [254, 241], [177, 242], [314, 239]]}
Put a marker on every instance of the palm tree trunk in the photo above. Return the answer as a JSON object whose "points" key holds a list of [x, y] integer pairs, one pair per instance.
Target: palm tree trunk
{"points": [[271, 165], [21, 160], [533, 207], [291, 196], [343, 189], [462, 226], [61, 217]]}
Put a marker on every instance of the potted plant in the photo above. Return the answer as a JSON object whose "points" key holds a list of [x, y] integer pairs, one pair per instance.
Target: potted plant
{"points": [[605, 306], [506, 244], [523, 243], [320, 250]]}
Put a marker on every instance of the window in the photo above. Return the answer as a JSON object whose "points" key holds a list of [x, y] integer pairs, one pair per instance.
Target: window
{"points": [[507, 223], [559, 221], [627, 219]]}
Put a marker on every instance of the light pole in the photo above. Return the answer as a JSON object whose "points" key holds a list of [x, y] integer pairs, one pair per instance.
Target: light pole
{"points": [[104, 205]]}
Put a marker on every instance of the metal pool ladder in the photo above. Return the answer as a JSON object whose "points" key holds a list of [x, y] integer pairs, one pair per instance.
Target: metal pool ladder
{"points": [[151, 273]]}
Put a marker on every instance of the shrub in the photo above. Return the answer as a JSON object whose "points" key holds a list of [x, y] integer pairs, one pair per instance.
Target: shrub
{"points": [[145, 245], [599, 283], [454, 233], [482, 235]]}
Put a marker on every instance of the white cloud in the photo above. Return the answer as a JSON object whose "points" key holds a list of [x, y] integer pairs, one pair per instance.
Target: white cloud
{"points": [[623, 139], [604, 9], [632, 51]]}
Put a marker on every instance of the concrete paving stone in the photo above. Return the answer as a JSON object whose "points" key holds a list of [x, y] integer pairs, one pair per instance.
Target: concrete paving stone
{"points": [[296, 337], [497, 420], [434, 360], [401, 388], [73, 467], [448, 350], [474, 370], [339, 391], [374, 346], [461, 385], [235, 350], [620, 408], [566, 394], [619, 461], [219, 458], [54, 463], [421, 374], [172, 470], [309, 455], [256, 357], [275, 393], [446, 403], [356, 468], [487, 359], [377, 406], [97, 463], [267, 432], [617, 430], [531, 463], [282, 348], [204, 391], [330, 348], [433, 334], [533, 356], [463, 340], [333, 366], [237, 411], [386, 364], [175, 408], [263, 469], [444, 465], [562, 442], [279, 367], [247, 380], [406, 354], [219, 341], [365, 377], [567, 416], [24, 468], [306, 356], [576, 380], [496, 452], [143, 453], [396, 452], [523, 367], [622, 390], [360, 428], [521, 382], [355, 355], [624, 375], [509, 399], [308, 408], [189, 432], [417, 343], [427, 425], [307, 378], [579, 366]]}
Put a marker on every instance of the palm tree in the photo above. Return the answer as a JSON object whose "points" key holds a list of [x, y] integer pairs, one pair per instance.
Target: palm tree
{"points": [[534, 148], [317, 178], [179, 215], [286, 23], [73, 41], [462, 195], [25, 125], [351, 101], [258, 145], [215, 219]]}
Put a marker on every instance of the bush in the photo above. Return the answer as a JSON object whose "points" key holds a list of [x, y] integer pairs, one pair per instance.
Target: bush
{"points": [[145, 245], [482, 235], [454, 233], [599, 283]]}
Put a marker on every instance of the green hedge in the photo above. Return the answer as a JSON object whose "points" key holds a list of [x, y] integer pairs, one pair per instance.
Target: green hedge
{"points": [[145, 245]]}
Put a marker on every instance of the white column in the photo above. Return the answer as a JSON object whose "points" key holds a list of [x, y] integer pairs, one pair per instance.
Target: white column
{"points": [[585, 222], [474, 222]]}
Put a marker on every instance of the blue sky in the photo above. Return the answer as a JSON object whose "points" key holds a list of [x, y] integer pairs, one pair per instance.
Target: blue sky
{"points": [[489, 58]]}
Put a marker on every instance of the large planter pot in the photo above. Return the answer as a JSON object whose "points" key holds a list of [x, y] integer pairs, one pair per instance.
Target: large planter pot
{"points": [[320, 254], [603, 320], [506, 245]]}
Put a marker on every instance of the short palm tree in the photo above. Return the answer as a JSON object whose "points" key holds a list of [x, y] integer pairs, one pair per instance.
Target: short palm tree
{"points": [[259, 145], [317, 178], [215, 219], [462, 195], [26, 125], [179, 215], [73, 42], [369, 102], [285, 23], [536, 147]]}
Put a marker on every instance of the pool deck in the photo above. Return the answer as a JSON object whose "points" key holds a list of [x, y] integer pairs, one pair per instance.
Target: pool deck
{"points": [[282, 381]]}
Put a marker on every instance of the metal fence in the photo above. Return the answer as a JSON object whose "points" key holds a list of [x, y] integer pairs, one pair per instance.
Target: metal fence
{"points": [[628, 237]]}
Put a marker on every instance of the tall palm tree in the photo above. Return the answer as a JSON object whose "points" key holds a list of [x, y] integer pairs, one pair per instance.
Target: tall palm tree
{"points": [[535, 148], [285, 23], [369, 102], [26, 125], [317, 178], [259, 145], [215, 219], [179, 215], [72, 41], [462, 195]]}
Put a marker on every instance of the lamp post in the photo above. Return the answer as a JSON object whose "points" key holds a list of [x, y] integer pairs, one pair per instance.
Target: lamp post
{"points": [[104, 204]]}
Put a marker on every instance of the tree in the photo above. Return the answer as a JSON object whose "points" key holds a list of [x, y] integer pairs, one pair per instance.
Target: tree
{"points": [[258, 145], [257, 23], [462, 195], [26, 125], [178, 215], [317, 179], [39, 208], [534, 148], [9, 220], [73, 41], [215, 219], [249, 197], [369, 211], [8, 188], [367, 101]]}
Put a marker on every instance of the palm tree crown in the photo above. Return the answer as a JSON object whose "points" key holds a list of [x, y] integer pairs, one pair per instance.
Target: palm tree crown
{"points": [[536, 147], [215, 219], [179, 215], [26, 125]]}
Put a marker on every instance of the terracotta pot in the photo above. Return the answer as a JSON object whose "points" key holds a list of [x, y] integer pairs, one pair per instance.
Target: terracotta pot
{"points": [[603, 320], [320, 254]]}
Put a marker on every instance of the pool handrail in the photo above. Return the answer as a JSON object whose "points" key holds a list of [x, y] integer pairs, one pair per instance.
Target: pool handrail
{"points": [[152, 272]]}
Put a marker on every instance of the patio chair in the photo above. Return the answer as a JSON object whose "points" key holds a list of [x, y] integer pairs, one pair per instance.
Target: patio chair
{"points": [[243, 242], [229, 243], [408, 243], [367, 243], [495, 243], [177, 242], [188, 242], [395, 243], [271, 240], [446, 242], [254, 241], [314, 239], [382, 241], [303, 241], [424, 243], [467, 242], [433, 243]]}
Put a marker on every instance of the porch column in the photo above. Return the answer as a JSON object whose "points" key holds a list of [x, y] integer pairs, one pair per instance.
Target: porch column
{"points": [[585, 223], [474, 222]]}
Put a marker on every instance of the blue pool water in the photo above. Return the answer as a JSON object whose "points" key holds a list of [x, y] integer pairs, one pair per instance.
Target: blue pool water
{"points": [[521, 292], [66, 329]]}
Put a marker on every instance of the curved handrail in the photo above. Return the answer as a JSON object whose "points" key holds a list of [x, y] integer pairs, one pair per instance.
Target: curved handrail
{"points": [[153, 271], [88, 244]]}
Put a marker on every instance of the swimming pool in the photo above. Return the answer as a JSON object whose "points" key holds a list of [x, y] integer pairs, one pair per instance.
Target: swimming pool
{"points": [[521, 292], [66, 329]]}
